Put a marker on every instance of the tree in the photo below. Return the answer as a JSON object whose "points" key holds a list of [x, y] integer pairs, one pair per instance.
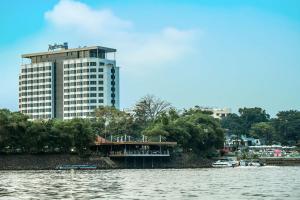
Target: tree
{"points": [[233, 123], [195, 110], [83, 134], [287, 126], [114, 121], [196, 131], [148, 108], [251, 116], [12, 128], [264, 131]]}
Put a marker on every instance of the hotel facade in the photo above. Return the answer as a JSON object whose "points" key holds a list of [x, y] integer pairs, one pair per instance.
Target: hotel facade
{"points": [[68, 83]]}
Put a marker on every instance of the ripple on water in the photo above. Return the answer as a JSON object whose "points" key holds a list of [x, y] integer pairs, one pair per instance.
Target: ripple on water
{"points": [[268, 183]]}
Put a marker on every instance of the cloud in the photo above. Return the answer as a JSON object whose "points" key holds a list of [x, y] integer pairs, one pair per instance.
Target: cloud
{"points": [[73, 15], [76, 22]]}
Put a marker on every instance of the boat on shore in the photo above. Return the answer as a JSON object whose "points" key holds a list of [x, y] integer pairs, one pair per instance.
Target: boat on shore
{"points": [[251, 163], [76, 167], [225, 162]]}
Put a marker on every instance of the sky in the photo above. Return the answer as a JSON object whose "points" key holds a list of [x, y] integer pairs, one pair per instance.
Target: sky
{"points": [[221, 53]]}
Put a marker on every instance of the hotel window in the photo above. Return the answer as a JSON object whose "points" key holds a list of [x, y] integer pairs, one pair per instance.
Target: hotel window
{"points": [[92, 63], [100, 70], [100, 76], [93, 70], [92, 107], [93, 101]]}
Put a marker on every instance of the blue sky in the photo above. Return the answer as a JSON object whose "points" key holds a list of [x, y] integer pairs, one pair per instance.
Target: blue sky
{"points": [[208, 53]]}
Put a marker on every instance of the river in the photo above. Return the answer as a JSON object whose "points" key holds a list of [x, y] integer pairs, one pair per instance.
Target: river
{"points": [[230, 183]]}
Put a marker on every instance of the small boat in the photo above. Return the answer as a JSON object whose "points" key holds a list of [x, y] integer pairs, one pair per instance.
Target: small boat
{"points": [[250, 163], [225, 162], [77, 167]]}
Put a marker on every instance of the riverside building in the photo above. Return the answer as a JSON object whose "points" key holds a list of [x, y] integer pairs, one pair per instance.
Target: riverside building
{"points": [[68, 83]]}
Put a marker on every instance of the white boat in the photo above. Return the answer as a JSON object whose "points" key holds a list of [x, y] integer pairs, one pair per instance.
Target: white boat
{"points": [[225, 162], [250, 163]]}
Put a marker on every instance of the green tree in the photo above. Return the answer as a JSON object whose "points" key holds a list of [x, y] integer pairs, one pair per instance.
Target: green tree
{"points": [[264, 131], [233, 123], [12, 128], [114, 122], [250, 116], [82, 134], [194, 131], [287, 126]]}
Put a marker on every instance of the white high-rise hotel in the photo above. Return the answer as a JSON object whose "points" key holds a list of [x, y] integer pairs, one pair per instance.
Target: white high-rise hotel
{"points": [[68, 83]]}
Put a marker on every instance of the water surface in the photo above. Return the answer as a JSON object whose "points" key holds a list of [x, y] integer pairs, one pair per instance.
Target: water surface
{"points": [[230, 183]]}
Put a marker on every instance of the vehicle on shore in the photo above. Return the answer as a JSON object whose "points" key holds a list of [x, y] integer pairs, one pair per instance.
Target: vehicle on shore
{"points": [[225, 162]]}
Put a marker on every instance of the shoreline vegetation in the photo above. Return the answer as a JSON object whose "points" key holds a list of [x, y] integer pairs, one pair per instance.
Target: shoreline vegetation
{"points": [[199, 136]]}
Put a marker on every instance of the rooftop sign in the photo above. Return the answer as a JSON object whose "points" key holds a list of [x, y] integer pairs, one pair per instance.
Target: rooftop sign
{"points": [[58, 46]]}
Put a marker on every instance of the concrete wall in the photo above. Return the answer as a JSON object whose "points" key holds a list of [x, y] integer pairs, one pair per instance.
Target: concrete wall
{"points": [[46, 162]]}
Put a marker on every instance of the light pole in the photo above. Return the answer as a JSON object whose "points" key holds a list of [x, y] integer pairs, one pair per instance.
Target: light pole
{"points": [[105, 125]]}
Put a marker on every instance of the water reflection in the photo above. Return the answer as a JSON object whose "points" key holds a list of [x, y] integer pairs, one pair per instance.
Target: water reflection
{"points": [[233, 183]]}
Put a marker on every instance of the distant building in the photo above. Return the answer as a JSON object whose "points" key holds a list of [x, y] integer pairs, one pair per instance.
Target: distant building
{"points": [[217, 112], [68, 83]]}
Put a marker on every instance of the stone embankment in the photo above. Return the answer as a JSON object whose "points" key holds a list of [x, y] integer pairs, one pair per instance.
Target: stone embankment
{"points": [[51, 161], [281, 161]]}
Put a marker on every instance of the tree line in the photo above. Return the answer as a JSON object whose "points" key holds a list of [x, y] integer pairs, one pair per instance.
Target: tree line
{"points": [[256, 122], [193, 129]]}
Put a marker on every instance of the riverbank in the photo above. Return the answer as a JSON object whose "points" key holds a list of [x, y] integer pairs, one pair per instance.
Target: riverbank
{"points": [[51, 161]]}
